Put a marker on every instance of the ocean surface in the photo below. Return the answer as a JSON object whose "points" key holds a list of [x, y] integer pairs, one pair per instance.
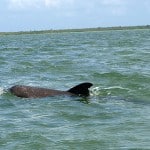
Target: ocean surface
{"points": [[115, 116]]}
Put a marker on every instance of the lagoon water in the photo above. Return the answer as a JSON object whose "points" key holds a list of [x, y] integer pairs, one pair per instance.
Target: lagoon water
{"points": [[115, 116]]}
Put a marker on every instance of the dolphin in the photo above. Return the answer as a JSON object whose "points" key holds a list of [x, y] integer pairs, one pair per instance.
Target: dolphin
{"points": [[37, 92]]}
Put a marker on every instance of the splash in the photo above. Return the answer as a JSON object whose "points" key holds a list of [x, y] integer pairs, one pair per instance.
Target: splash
{"points": [[96, 91], [101, 91], [2, 91]]}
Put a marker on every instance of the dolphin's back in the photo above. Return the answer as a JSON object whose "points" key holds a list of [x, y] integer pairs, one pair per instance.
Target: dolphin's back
{"points": [[36, 92], [28, 91]]}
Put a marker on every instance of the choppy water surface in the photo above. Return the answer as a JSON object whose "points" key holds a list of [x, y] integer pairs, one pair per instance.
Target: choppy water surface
{"points": [[115, 116]]}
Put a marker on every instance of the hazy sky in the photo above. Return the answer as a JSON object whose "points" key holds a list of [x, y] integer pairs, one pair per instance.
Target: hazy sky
{"points": [[22, 15]]}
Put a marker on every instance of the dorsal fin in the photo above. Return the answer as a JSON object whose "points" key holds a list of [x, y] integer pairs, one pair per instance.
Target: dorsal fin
{"points": [[81, 89]]}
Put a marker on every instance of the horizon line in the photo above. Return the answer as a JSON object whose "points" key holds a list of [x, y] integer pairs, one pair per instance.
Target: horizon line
{"points": [[78, 29]]}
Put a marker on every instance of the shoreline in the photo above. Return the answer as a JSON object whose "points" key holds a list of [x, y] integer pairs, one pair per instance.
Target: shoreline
{"points": [[77, 30]]}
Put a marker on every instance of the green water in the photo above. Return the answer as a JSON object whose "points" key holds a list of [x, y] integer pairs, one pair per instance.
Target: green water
{"points": [[115, 116]]}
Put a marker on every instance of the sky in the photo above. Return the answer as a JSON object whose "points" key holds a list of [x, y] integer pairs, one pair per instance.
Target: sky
{"points": [[30, 15]]}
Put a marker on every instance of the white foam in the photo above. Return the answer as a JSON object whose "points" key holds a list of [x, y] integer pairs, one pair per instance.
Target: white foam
{"points": [[95, 91], [1, 91]]}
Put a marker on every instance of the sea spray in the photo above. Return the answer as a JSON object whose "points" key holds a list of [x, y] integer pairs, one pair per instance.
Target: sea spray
{"points": [[97, 91], [105, 91], [2, 91]]}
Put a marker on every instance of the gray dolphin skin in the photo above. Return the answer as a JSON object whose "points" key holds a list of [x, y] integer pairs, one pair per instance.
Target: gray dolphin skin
{"points": [[37, 92]]}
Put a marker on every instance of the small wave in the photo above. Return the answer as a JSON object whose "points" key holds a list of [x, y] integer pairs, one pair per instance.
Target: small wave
{"points": [[116, 87]]}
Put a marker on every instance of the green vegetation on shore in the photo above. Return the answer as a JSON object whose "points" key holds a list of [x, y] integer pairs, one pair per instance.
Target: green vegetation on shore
{"points": [[78, 30]]}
